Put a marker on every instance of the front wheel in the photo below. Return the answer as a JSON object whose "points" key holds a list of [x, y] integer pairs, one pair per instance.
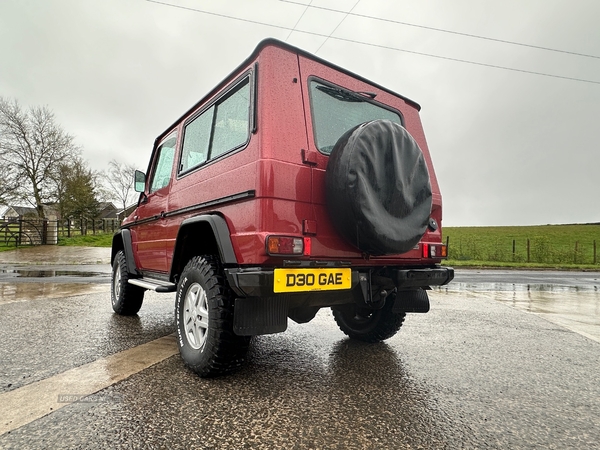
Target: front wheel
{"points": [[126, 298], [366, 324], [204, 316]]}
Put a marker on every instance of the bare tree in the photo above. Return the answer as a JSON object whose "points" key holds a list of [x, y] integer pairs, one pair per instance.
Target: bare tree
{"points": [[33, 147], [120, 181], [8, 185]]}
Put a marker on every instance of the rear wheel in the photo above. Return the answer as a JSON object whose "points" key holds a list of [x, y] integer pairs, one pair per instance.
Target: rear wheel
{"points": [[366, 324], [204, 315], [126, 298]]}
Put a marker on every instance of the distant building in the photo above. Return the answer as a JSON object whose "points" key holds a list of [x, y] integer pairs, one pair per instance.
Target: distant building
{"points": [[17, 212], [122, 214], [107, 210]]}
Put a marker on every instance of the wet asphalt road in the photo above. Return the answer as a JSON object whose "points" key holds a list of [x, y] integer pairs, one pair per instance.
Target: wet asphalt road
{"points": [[487, 367]]}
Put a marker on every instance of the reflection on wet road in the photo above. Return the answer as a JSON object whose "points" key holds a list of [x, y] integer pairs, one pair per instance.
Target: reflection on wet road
{"points": [[56, 255], [22, 292], [575, 309], [51, 271], [569, 299]]}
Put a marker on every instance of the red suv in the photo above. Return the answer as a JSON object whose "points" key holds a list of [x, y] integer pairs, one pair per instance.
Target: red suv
{"points": [[293, 185]]}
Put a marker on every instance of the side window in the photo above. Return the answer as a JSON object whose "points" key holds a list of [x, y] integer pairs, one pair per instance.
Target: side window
{"points": [[221, 128], [196, 140], [164, 163], [231, 127]]}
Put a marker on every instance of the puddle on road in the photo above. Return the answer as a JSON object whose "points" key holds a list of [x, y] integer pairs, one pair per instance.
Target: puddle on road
{"points": [[21, 273], [57, 255], [21, 292], [575, 308]]}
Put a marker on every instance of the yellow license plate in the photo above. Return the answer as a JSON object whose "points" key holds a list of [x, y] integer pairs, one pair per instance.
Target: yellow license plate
{"points": [[303, 280]]}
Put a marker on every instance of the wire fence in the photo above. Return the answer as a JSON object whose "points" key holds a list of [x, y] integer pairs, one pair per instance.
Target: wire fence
{"points": [[531, 250]]}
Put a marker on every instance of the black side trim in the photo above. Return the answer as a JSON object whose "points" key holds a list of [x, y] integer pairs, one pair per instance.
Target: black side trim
{"points": [[198, 206], [216, 202], [254, 100]]}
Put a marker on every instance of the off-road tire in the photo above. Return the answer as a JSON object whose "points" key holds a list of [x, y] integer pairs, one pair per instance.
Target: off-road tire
{"points": [[204, 316], [366, 324], [126, 298]]}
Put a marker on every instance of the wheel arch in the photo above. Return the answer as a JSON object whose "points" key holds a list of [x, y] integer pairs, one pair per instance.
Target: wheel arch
{"points": [[207, 234], [122, 241]]}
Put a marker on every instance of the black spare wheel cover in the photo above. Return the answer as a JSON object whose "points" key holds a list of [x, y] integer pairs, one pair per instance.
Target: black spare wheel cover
{"points": [[377, 188]]}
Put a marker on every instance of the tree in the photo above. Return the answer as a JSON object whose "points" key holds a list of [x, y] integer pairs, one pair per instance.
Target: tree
{"points": [[77, 190], [120, 181], [8, 185], [32, 148]]}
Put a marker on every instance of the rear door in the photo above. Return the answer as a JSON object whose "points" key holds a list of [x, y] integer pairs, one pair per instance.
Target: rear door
{"points": [[335, 102]]}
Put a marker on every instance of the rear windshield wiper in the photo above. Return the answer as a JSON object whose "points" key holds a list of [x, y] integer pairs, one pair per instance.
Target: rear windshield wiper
{"points": [[343, 95]]}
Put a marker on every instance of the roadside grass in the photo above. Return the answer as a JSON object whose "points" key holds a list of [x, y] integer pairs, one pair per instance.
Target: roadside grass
{"points": [[90, 240], [544, 247], [511, 265], [5, 248]]}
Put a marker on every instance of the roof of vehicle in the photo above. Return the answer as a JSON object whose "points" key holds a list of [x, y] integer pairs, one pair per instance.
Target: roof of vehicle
{"points": [[277, 43]]}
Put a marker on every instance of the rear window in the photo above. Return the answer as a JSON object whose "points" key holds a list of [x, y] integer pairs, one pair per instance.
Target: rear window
{"points": [[336, 110]]}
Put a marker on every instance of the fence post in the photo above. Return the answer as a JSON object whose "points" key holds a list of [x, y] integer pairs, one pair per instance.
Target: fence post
{"points": [[528, 251], [18, 238], [594, 252], [575, 254], [68, 228], [514, 250]]}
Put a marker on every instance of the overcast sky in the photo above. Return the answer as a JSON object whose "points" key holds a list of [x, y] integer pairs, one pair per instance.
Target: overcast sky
{"points": [[509, 148]]}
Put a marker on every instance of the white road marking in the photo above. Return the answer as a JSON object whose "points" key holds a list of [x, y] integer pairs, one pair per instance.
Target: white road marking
{"points": [[33, 401]]}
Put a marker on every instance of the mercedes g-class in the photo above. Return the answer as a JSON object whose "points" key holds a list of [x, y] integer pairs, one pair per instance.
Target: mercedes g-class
{"points": [[292, 186]]}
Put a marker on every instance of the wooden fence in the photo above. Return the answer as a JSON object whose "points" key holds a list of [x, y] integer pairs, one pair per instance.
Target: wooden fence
{"points": [[16, 232]]}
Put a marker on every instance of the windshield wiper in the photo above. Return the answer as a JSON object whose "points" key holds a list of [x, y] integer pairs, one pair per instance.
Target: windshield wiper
{"points": [[341, 94]]}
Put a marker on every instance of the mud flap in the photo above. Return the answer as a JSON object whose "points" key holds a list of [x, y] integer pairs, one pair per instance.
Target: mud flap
{"points": [[253, 316], [413, 301]]}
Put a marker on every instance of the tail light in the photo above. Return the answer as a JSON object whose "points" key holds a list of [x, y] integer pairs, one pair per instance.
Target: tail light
{"points": [[288, 246], [434, 251]]}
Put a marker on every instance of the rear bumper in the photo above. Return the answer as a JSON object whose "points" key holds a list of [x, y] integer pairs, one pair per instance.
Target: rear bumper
{"points": [[258, 282], [419, 278]]}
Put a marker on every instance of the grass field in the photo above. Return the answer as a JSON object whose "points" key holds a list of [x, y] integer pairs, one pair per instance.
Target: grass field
{"points": [[546, 246], [528, 246], [90, 240]]}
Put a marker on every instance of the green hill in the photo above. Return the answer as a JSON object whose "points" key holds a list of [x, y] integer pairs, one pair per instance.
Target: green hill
{"points": [[535, 246]]}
